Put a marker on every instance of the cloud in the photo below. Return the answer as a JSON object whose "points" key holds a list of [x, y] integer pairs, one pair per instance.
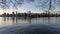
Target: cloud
{"points": [[30, 0]]}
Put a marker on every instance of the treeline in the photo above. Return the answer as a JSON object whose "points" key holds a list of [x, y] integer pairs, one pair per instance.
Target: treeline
{"points": [[30, 15]]}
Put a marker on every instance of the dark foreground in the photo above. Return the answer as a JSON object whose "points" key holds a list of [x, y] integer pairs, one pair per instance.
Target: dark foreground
{"points": [[30, 29]]}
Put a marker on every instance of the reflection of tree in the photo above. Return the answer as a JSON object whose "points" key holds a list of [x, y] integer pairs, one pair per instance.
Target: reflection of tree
{"points": [[48, 19], [4, 18], [8, 18], [29, 19], [13, 20], [16, 20]]}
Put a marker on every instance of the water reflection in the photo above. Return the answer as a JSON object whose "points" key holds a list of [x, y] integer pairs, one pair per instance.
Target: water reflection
{"points": [[4, 19], [16, 20], [29, 20], [13, 20], [42, 25]]}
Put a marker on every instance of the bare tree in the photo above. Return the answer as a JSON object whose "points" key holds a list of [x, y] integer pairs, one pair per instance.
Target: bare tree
{"points": [[48, 5], [5, 4], [45, 4]]}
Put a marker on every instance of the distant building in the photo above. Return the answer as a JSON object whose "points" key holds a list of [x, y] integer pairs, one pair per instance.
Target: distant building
{"points": [[4, 15], [29, 13], [16, 13], [13, 14]]}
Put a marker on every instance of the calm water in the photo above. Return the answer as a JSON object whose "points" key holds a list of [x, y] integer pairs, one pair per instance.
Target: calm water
{"points": [[42, 25]]}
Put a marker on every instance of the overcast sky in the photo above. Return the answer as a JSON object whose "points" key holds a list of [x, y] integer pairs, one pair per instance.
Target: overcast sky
{"points": [[36, 5]]}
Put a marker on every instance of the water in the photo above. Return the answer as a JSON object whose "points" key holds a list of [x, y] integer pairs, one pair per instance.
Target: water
{"points": [[42, 25]]}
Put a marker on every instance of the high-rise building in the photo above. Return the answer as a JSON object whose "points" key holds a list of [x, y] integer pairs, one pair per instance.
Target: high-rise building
{"points": [[13, 14]]}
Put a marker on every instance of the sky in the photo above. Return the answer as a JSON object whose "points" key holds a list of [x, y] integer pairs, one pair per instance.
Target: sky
{"points": [[32, 5]]}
